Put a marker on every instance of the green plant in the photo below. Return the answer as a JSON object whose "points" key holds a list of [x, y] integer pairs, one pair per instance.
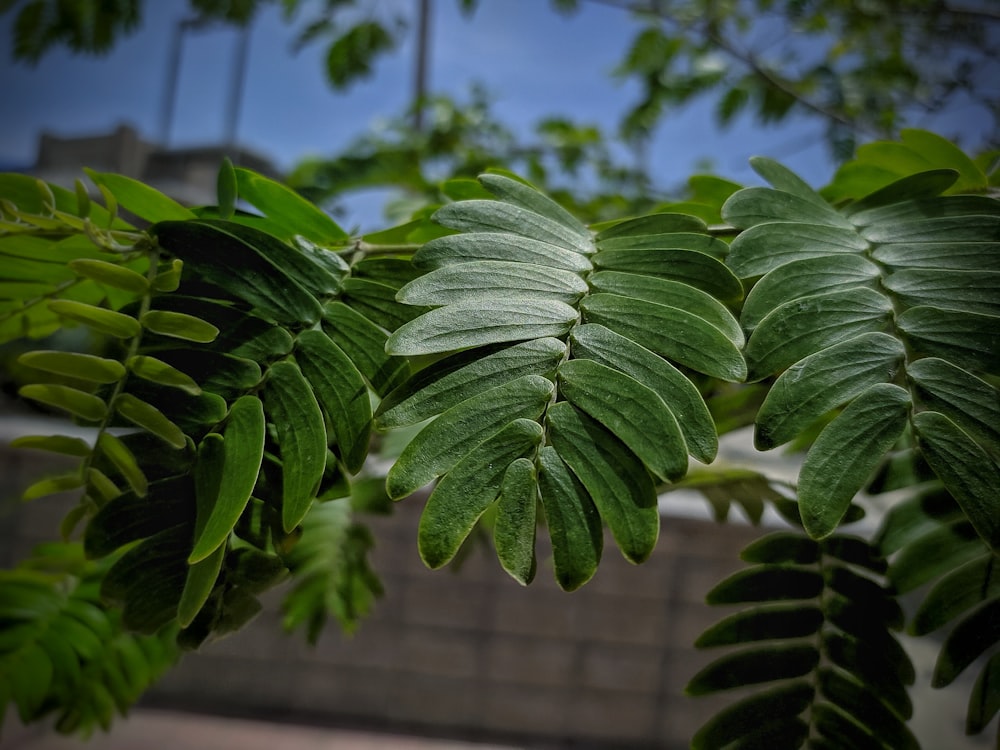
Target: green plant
{"points": [[548, 375]]}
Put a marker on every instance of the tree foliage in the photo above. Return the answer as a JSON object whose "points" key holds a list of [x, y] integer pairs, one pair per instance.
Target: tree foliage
{"points": [[551, 377], [864, 70]]}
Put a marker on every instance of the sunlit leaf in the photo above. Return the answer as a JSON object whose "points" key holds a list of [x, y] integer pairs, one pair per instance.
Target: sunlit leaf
{"points": [[845, 454], [459, 429], [514, 531], [75, 365], [301, 434], [615, 479], [469, 488]]}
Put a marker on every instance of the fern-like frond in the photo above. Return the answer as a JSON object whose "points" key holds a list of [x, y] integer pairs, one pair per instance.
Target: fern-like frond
{"points": [[329, 566], [567, 375], [884, 314], [235, 393], [816, 635], [63, 653], [935, 548]]}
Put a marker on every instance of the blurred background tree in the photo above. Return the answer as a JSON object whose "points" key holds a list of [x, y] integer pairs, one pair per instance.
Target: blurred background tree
{"points": [[863, 69]]}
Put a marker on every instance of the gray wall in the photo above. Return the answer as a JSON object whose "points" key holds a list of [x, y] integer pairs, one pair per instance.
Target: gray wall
{"points": [[472, 654]]}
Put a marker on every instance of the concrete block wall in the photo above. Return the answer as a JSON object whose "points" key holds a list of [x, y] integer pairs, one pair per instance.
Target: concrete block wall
{"points": [[466, 653]]}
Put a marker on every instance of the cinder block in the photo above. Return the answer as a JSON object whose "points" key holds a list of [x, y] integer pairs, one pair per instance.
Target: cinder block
{"points": [[528, 710], [435, 702], [447, 601], [613, 717], [622, 619], [627, 669], [530, 660], [440, 653]]}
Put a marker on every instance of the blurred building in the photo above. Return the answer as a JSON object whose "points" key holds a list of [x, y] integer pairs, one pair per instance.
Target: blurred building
{"points": [[186, 174]]}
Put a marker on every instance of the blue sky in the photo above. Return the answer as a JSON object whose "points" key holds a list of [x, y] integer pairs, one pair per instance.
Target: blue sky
{"points": [[535, 63]]}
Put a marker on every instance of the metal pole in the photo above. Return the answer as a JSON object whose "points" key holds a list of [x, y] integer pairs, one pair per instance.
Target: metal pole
{"points": [[236, 90], [170, 86], [420, 73]]}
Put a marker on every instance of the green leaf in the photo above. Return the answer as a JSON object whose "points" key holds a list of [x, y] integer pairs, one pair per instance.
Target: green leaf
{"points": [[364, 343], [691, 267], [519, 194], [341, 392], [703, 243], [69, 446], [318, 271], [969, 639], [943, 229], [869, 665], [453, 379], [803, 326], [484, 246], [782, 547], [115, 451], [616, 480], [469, 488], [459, 429], [630, 411], [129, 517], [767, 583], [753, 666], [669, 331], [478, 280], [805, 278], [497, 216], [679, 394], [765, 623], [301, 434], [110, 274], [672, 293], [514, 531], [960, 590], [919, 186], [757, 205], [653, 224], [783, 179], [227, 188], [200, 581], [53, 486], [149, 578], [965, 339], [944, 255], [935, 553], [822, 382], [968, 472], [103, 321], [378, 303], [865, 707], [288, 209], [845, 454], [214, 255], [984, 702], [142, 200], [75, 365], [971, 403], [765, 247], [179, 326], [158, 371], [150, 419], [743, 717], [78, 403], [225, 475], [968, 291], [472, 323], [572, 519]]}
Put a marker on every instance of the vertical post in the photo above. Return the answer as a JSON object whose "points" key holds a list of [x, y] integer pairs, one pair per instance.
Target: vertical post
{"points": [[236, 86], [420, 69], [170, 87]]}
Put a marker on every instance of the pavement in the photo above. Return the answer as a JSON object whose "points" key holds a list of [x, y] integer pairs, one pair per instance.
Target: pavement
{"points": [[154, 729]]}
